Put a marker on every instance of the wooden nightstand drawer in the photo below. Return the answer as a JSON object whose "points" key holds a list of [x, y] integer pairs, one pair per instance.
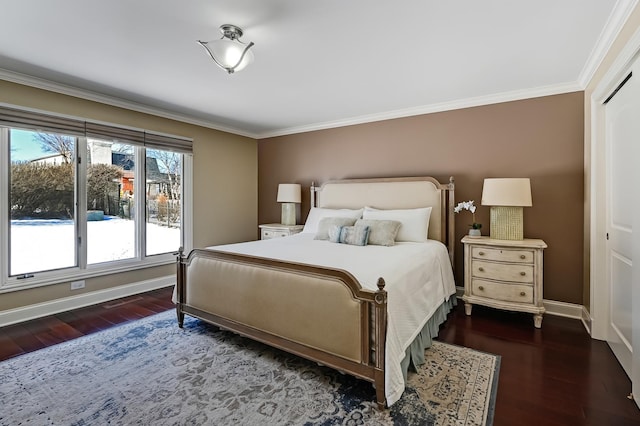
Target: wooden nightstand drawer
{"points": [[519, 293], [277, 230], [502, 272], [515, 256], [268, 234]]}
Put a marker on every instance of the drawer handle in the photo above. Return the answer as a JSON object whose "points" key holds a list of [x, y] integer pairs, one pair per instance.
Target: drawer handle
{"points": [[522, 293], [523, 273], [480, 288], [481, 269], [522, 256], [481, 253]]}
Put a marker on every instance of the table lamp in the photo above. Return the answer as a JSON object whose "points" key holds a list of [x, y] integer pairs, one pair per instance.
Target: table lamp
{"points": [[507, 197], [289, 195]]}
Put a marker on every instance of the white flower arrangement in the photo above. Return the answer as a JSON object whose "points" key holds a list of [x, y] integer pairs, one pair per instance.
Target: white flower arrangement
{"points": [[468, 205]]}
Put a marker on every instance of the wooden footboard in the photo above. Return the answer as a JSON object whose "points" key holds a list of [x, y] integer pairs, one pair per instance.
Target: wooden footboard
{"points": [[318, 313]]}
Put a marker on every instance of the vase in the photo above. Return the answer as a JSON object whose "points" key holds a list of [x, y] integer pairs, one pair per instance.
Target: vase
{"points": [[474, 233]]}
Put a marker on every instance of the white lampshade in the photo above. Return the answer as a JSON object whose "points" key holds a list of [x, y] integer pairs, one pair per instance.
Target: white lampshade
{"points": [[506, 197], [289, 193], [515, 192]]}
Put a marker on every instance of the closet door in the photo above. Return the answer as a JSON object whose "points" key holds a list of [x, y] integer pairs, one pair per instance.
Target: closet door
{"points": [[622, 189]]}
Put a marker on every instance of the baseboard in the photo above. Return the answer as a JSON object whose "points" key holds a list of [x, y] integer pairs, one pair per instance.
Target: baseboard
{"points": [[553, 307], [563, 309], [25, 313], [586, 319]]}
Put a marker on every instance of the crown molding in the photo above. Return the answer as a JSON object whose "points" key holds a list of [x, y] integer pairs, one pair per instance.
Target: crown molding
{"points": [[433, 108], [64, 89], [618, 69], [618, 17]]}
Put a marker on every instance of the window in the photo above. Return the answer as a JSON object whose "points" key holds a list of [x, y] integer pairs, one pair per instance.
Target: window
{"points": [[110, 211], [163, 198], [82, 199], [42, 179]]}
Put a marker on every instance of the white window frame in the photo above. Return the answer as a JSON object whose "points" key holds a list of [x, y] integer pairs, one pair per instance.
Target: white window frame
{"points": [[84, 271]]}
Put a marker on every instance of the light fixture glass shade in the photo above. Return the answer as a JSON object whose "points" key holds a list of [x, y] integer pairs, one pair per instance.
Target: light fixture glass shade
{"points": [[289, 193], [228, 52], [514, 192]]}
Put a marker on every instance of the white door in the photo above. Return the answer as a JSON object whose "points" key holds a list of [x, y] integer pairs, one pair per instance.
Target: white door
{"points": [[622, 188]]}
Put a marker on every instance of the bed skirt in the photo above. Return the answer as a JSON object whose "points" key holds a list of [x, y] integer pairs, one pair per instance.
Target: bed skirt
{"points": [[414, 355]]}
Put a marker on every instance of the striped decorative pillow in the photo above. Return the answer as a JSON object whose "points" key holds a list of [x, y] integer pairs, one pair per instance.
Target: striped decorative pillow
{"points": [[352, 235]]}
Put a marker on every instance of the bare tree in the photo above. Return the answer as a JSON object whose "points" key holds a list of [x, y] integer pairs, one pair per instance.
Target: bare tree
{"points": [[169, 163], [54, 143]]}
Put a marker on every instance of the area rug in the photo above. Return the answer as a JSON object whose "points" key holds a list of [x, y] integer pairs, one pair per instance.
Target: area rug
{"points": [[150, 372]]}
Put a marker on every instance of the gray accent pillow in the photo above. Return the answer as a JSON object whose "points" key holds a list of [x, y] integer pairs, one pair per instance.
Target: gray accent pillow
{"points": [[326, 223], [352, 235], [382, 232]]}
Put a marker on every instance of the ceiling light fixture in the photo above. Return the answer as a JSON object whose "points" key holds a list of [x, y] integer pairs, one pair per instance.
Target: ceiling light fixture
{"points": [[228, 52]]}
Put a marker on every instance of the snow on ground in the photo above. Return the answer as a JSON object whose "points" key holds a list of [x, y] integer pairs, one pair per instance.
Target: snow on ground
{"points": [[41, 245]]}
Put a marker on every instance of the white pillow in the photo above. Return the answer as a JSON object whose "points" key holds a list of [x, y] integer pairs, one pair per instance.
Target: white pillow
{"points": [[316, 214], [415, 222]]}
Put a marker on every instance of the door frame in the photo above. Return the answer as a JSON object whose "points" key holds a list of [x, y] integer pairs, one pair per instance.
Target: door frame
{"points": [[595, 177]]}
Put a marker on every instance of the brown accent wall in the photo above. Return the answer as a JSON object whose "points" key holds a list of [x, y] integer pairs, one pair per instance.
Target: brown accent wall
{"points": [[540, 138], [224, 191]]}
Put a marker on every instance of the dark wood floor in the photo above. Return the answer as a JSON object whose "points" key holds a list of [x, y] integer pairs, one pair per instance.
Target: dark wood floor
{"points": [[32, 335], [556, 375]]}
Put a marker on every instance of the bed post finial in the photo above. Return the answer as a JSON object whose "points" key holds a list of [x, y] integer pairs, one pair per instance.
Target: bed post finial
{"points": [[381, 295]]}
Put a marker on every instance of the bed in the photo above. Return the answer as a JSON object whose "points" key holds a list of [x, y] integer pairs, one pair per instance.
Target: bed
{"points": [[369, 311]]}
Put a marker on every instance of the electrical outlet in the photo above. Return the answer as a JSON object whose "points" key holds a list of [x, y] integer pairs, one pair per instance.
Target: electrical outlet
{"points": [[75, 285]]}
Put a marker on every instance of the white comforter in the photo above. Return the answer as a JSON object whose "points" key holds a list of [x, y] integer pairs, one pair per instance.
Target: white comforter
{"points": [[418, 277]]}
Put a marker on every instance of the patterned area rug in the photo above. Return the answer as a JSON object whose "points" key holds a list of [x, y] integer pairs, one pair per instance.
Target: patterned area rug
{"points": [[152, 372]]}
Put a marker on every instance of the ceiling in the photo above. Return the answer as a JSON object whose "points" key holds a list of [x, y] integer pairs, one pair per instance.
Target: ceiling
{"points": [[318, 64]]}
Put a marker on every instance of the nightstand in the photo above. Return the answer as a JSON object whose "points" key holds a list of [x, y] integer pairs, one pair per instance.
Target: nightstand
{"points": [[277, 230], [504, 274]]}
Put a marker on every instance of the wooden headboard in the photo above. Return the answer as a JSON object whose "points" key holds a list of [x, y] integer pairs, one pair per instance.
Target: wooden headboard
{"points": [[395, 193]]}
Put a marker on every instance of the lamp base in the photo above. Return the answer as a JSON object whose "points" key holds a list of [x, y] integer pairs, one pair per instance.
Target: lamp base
{"points": [[506, 223], [288, 214]]}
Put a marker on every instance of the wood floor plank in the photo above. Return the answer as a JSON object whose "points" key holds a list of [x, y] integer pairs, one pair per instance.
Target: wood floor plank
{"points": [[24, 338], [9, 348]]}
